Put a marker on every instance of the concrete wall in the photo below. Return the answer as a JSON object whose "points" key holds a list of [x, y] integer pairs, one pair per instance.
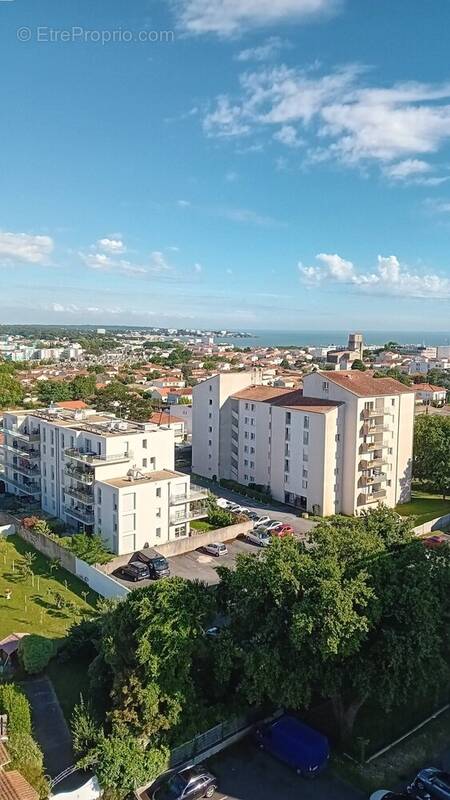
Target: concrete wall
{"points": [[437, 524], [97, 580], [49, 548], [180, 546], [7, 530]]}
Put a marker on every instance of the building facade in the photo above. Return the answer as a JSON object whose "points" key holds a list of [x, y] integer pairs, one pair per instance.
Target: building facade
{"points": [[101, 475], [340, 445]]}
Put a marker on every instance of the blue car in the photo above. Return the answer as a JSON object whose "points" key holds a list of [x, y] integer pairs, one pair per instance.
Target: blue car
{"points": [[296, 744], [431, 784]]}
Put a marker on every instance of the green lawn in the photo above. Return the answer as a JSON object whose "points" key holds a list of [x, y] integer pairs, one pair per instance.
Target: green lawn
{"points": [[32, 607], [423, 507], [201, 526]]}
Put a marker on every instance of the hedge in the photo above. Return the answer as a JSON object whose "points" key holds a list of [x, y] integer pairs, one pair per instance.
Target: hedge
{"points": [[26, 756], [255, 494]]}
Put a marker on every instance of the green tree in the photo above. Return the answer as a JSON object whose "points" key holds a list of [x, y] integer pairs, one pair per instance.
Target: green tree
{"points": [[82, 387], [53, 392], [432, 452], [11, 392], [358, 364], [89, 548], [393, 372], [35, 652]]}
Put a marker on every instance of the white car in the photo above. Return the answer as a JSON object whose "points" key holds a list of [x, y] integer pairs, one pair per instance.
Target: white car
{"points": [[216, 549], [261, 521], [222, 503], [385, 794], [259, 537], [274, 523], [235, 509]]}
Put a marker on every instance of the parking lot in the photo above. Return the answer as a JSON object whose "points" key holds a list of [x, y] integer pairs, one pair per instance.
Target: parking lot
{"points": [[245, 773], [198, 565]]}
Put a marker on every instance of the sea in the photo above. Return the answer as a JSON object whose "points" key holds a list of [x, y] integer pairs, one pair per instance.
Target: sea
{"points": [[327, 338]]}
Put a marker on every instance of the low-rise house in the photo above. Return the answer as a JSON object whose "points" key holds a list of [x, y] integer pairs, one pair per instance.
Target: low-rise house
{"points": [[427, 394]]}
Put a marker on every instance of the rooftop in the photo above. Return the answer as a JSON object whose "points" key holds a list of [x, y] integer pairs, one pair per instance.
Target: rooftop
{"points": [[428, 387], [287, 398], [14, 787], [148, 477], [363, 384]]}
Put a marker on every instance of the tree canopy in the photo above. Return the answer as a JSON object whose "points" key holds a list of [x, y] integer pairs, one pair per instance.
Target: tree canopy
{"points": [[432, 452]]}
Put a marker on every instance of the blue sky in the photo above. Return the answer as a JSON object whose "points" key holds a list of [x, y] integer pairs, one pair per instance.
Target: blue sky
{"points": [[257, 164]]}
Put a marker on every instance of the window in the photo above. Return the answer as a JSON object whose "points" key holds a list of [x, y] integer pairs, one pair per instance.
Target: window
{"points": [[325, 386], [252, 421], [158, 533], [338, 437], [210, 442], [305, 437], [245, 434], [144, 444], [245, 462], [252, 436], [52, 452], [286, 465], [245, 448], [62, 440], [180, 530], [210, 429], [99, 495], [158, 512], [389, 483], [144, 462], [306, 422], [153, 462], [252, 464], [158, 492], [210, 401], [246, 420], [252, 406], [304, 484], [52, 437], [210, 387], [252, 449], [288, 417], [304, 473], [392, 402], [246, 406], [245, 477], [305, 455]]}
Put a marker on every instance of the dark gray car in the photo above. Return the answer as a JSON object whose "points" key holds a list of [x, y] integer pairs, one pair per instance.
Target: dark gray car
{"points": [[191, 783]]}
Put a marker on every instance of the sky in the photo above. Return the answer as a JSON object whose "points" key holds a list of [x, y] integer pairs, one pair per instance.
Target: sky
{"points": [[239, 164]]}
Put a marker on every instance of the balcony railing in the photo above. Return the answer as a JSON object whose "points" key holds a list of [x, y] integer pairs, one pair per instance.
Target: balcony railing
{"points": [[190, 497], [370, 447], [83, 476], [80, 514], [28, 436], [368, 430], [89, 457], [370, 413], [84, 497], [33, 454], [30, 488], [373, 497]]}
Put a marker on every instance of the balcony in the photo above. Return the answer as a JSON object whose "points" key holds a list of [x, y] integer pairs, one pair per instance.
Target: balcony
{"points": [[178, 517], [370, 447], [78, 494], [196, 493], [27, 436], [31, 488], [88, 457], [369, 429], [80, 514], [371, 413], [373, 497], [33, 454], [370, 480], [372, 463], [83, 476], [23, 469]]}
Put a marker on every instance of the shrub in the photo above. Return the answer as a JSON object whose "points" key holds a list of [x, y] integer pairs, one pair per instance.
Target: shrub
{"points": [[14, 703], [35, 652], [264, 497], [89, 548]]}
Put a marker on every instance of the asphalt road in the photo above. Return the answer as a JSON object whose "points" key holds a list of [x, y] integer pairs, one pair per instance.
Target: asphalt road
{"points": [[245, 773]]}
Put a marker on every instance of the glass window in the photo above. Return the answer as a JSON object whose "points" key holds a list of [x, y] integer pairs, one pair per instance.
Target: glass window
{"points": [[158, 492], [144, 462], [144, 444], [305, 437]]}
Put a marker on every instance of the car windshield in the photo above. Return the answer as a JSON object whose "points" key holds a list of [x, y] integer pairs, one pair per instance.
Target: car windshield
{"points": [[159, 563], [173, 788]]}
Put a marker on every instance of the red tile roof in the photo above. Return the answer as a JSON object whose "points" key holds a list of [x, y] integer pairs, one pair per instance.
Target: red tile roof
{"points": [[72, 405], [287, 398], [363, 384], [164, 419], [428, 387], [13, 786]]}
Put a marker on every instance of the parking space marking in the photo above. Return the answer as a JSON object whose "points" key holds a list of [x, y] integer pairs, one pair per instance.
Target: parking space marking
{"points": [[222, 797]]}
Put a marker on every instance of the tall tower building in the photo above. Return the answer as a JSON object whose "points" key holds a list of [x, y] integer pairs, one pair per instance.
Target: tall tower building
{"points": [[356, 343]]}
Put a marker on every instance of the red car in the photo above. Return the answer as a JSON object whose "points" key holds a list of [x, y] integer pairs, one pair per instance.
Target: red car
{"points": [[282, 530]]}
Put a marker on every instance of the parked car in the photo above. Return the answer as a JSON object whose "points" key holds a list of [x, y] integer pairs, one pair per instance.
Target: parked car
{"points": [[253, 515], [222, 503], [259, 537], [235, 508], [282, 530], [295, 743], [216, 549], [431, 783], [261, 520], [273, 523], [191, 783], [158, 567], [385, 794], [135, 571]]}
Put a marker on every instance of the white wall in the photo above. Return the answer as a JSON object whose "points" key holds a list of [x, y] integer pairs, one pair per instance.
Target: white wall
{"points": [[101, 583]]}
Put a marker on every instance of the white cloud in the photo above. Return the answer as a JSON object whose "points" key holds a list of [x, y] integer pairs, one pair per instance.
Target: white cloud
{"points": [[341, 117], [390, 277], [264, 52], [231, 17], [97, 260], [112, 246], [288, 135], [158, 262], [183, 203], [231, 176], [198, 268], [25, 247]]}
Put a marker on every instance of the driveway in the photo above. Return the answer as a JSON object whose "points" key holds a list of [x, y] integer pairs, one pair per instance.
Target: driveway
{"points": [[246, 773], [49, 725], [283, 513]]}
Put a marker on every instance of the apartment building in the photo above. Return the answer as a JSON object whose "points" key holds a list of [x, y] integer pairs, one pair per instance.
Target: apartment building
{"points": [[340, 445], [101, 474]]}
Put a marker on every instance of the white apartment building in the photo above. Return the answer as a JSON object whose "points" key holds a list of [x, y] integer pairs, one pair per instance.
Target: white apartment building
{"points": [[101, 474], [339, 446]]}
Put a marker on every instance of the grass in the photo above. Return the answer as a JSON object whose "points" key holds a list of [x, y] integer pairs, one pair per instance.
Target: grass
{"points": [[202, 526], [424, 507], [32, 607], [398, 766]]}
